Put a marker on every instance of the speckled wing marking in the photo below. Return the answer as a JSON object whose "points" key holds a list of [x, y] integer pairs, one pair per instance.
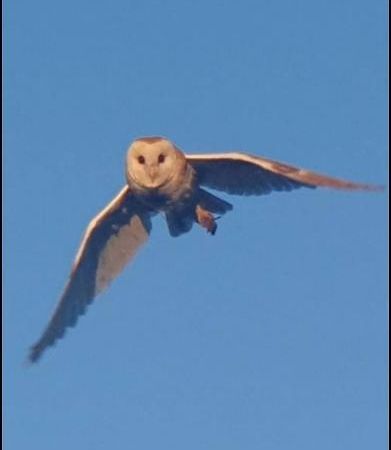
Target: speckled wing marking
{"points": [[112, 238], [242, 174]]}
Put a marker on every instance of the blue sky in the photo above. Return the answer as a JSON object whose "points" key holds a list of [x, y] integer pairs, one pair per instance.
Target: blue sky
{"points": [[271, 334]]}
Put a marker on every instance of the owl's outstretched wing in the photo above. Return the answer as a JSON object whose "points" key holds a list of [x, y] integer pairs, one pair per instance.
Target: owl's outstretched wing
{"points": [[242, 174], [110, 241]]}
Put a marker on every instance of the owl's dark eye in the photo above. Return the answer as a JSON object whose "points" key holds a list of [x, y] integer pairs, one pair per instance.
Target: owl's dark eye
{"points": [[141, 159], [161, 158]]}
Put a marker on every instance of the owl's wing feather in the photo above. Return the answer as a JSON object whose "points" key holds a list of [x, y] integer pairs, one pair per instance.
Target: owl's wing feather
{"points": [[243, 174], [110, 241]]}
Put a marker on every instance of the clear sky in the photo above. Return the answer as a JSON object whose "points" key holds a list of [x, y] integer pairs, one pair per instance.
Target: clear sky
{"points": [[271, 334]]}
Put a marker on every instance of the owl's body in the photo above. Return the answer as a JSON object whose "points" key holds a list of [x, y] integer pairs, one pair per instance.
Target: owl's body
{"points": [[162, 179], [177, 195]]}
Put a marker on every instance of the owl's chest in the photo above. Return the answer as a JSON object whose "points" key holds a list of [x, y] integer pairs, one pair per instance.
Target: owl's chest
{"points": [[162, 202], [176, 194]]}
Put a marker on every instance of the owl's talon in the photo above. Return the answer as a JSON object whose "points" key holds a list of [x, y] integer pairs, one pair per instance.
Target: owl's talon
{"points": [[212, 230]]}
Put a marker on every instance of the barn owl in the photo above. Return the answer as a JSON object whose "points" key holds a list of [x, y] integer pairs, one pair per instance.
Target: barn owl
{"points": [[160, 178]]}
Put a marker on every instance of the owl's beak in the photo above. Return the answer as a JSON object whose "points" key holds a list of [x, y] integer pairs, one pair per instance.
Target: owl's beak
{"points": [[152, 173]]}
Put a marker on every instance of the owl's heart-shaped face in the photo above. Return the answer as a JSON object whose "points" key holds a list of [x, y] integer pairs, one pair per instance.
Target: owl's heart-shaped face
{"points": [[151, 163]]}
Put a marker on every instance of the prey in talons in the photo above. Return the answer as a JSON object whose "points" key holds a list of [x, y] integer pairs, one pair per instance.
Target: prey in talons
{"points": [[206, 219]]}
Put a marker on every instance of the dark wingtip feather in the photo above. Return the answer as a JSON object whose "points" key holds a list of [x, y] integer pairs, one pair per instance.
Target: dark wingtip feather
{"points": [[54, 334], [35, 353], [37, 350]]}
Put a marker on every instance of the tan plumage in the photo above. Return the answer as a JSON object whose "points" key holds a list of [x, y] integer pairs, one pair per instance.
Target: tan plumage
{"points": [[161, 178]]}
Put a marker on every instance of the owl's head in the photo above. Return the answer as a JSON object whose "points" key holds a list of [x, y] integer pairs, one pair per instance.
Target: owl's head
{"points": [[152, 162]]}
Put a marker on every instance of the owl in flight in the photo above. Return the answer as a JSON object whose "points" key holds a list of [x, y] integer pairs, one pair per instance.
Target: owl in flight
{"points": [[160, 178]]}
